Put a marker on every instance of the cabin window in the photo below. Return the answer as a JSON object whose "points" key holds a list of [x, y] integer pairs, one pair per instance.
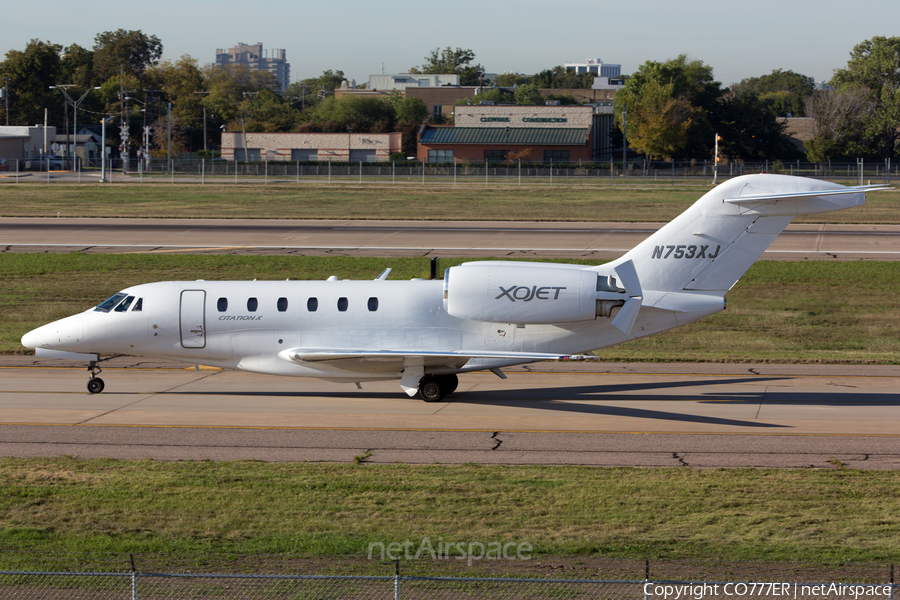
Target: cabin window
{"points": [[222, 304], [312, 304], [373, 304], [138, 306], [252, 304], [108, 304], [342, 304], [124, 306], [282, 304]]}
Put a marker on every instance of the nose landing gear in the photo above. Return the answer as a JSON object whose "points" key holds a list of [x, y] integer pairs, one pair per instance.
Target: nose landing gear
{"points": [[95, 385]]}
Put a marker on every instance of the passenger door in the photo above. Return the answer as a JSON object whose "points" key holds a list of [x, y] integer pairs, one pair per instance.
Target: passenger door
{"points": [[193, 319]]}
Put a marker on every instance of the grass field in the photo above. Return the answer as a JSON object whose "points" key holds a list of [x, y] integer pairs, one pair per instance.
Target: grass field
{"points": [[650, 203], [811, 311], [817, 515]]}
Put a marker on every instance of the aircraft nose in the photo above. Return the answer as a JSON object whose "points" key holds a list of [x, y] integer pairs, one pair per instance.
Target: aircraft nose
{"points": [[62, 334]]}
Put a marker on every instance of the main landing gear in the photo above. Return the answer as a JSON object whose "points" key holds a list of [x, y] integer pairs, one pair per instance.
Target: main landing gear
{"points": [[433, 388], [95, 385]]}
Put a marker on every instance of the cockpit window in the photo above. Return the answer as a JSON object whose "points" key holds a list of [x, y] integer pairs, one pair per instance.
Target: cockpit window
{"points": [[124, 305], [108, 304], [138, 306]]}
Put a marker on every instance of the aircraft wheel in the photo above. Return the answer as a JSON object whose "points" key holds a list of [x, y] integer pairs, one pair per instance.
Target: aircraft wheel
{"points": [[95, 386], [449, 383], [431, 389]]}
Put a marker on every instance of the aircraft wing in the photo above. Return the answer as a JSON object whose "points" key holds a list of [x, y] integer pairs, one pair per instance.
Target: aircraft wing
{"points": [[324, 354]]}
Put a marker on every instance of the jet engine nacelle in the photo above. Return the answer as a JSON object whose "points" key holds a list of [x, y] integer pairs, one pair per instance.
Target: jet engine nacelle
{"points": [[506, 292]]}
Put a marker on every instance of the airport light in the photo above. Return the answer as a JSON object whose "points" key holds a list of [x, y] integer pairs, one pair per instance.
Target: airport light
{"points": [[74, 117]]}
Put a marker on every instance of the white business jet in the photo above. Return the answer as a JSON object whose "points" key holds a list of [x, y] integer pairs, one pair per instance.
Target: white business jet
{"points": [[482, 316]]}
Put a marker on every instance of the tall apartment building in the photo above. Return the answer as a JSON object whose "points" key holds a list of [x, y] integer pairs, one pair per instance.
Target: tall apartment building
{"points": [[256, 59]]}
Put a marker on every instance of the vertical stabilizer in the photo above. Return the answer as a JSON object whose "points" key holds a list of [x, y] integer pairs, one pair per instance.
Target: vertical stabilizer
{"points": [[712, 244]]}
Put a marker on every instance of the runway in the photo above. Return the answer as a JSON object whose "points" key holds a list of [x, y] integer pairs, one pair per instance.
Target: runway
{"points": [[603, 415], [553, 413], [409, 238]]}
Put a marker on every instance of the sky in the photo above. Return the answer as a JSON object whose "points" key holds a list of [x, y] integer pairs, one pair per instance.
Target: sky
{"points": [[361, 38]]}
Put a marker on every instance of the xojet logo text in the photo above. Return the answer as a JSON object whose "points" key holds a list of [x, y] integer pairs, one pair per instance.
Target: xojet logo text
{"points": [[527, 294]]}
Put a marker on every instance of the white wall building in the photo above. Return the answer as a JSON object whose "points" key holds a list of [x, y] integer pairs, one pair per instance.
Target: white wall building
{"points": [[402, 81], [26, 142], [596, 66], [310, 147]]}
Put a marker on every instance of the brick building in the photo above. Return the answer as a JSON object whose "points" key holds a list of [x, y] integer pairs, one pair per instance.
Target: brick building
{"points": [[486, 133]]}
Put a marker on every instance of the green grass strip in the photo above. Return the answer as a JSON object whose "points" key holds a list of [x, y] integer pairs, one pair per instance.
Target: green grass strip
{"points": [[570, 202], [817, 515]]}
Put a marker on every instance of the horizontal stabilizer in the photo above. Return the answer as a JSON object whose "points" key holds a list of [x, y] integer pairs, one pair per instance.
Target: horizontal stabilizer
{"points": [[804, 194]]}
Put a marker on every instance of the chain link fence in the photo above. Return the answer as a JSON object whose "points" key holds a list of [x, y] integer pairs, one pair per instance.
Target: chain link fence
{"points": [[116, 577], [218, 171]]}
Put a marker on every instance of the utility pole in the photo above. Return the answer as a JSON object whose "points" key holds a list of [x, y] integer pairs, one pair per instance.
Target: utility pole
{"points": [[169, 142], [244, 129], [203, 95], [123, 124], [5, 92], [624, 140]]}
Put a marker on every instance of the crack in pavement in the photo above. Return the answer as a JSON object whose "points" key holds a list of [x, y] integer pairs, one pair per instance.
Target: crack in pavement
{"points": [[499, 441]]}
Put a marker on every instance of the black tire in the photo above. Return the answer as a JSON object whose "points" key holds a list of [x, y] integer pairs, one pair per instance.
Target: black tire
{"points": [[449, 383], [431, 389], [95, 385]]}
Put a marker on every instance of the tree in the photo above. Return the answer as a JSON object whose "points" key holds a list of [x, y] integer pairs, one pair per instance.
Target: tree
{"points": [[839, 117], [227, 87], [77, 67], [658, 122], [561, 78], [131, 50], [411, 109], [782, 92], [528, 94], [267, 111], [749, 130], [179, 83], [677, 93], [310, 92], [362, 114], [874, 66], [510, 80], [449, 61], [496, 95], [31, 72], [564, 99]]}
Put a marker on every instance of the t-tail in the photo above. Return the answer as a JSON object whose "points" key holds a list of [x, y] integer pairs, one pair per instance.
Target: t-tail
{"points": [[705, 250]]}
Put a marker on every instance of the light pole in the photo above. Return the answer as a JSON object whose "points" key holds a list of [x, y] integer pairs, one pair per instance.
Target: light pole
{"points": [[103, 121], [75, 114]]}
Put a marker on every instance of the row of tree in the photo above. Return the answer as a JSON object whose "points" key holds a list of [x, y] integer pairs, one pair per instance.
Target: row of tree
{"points": [[677, 108], [672, 109]]}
